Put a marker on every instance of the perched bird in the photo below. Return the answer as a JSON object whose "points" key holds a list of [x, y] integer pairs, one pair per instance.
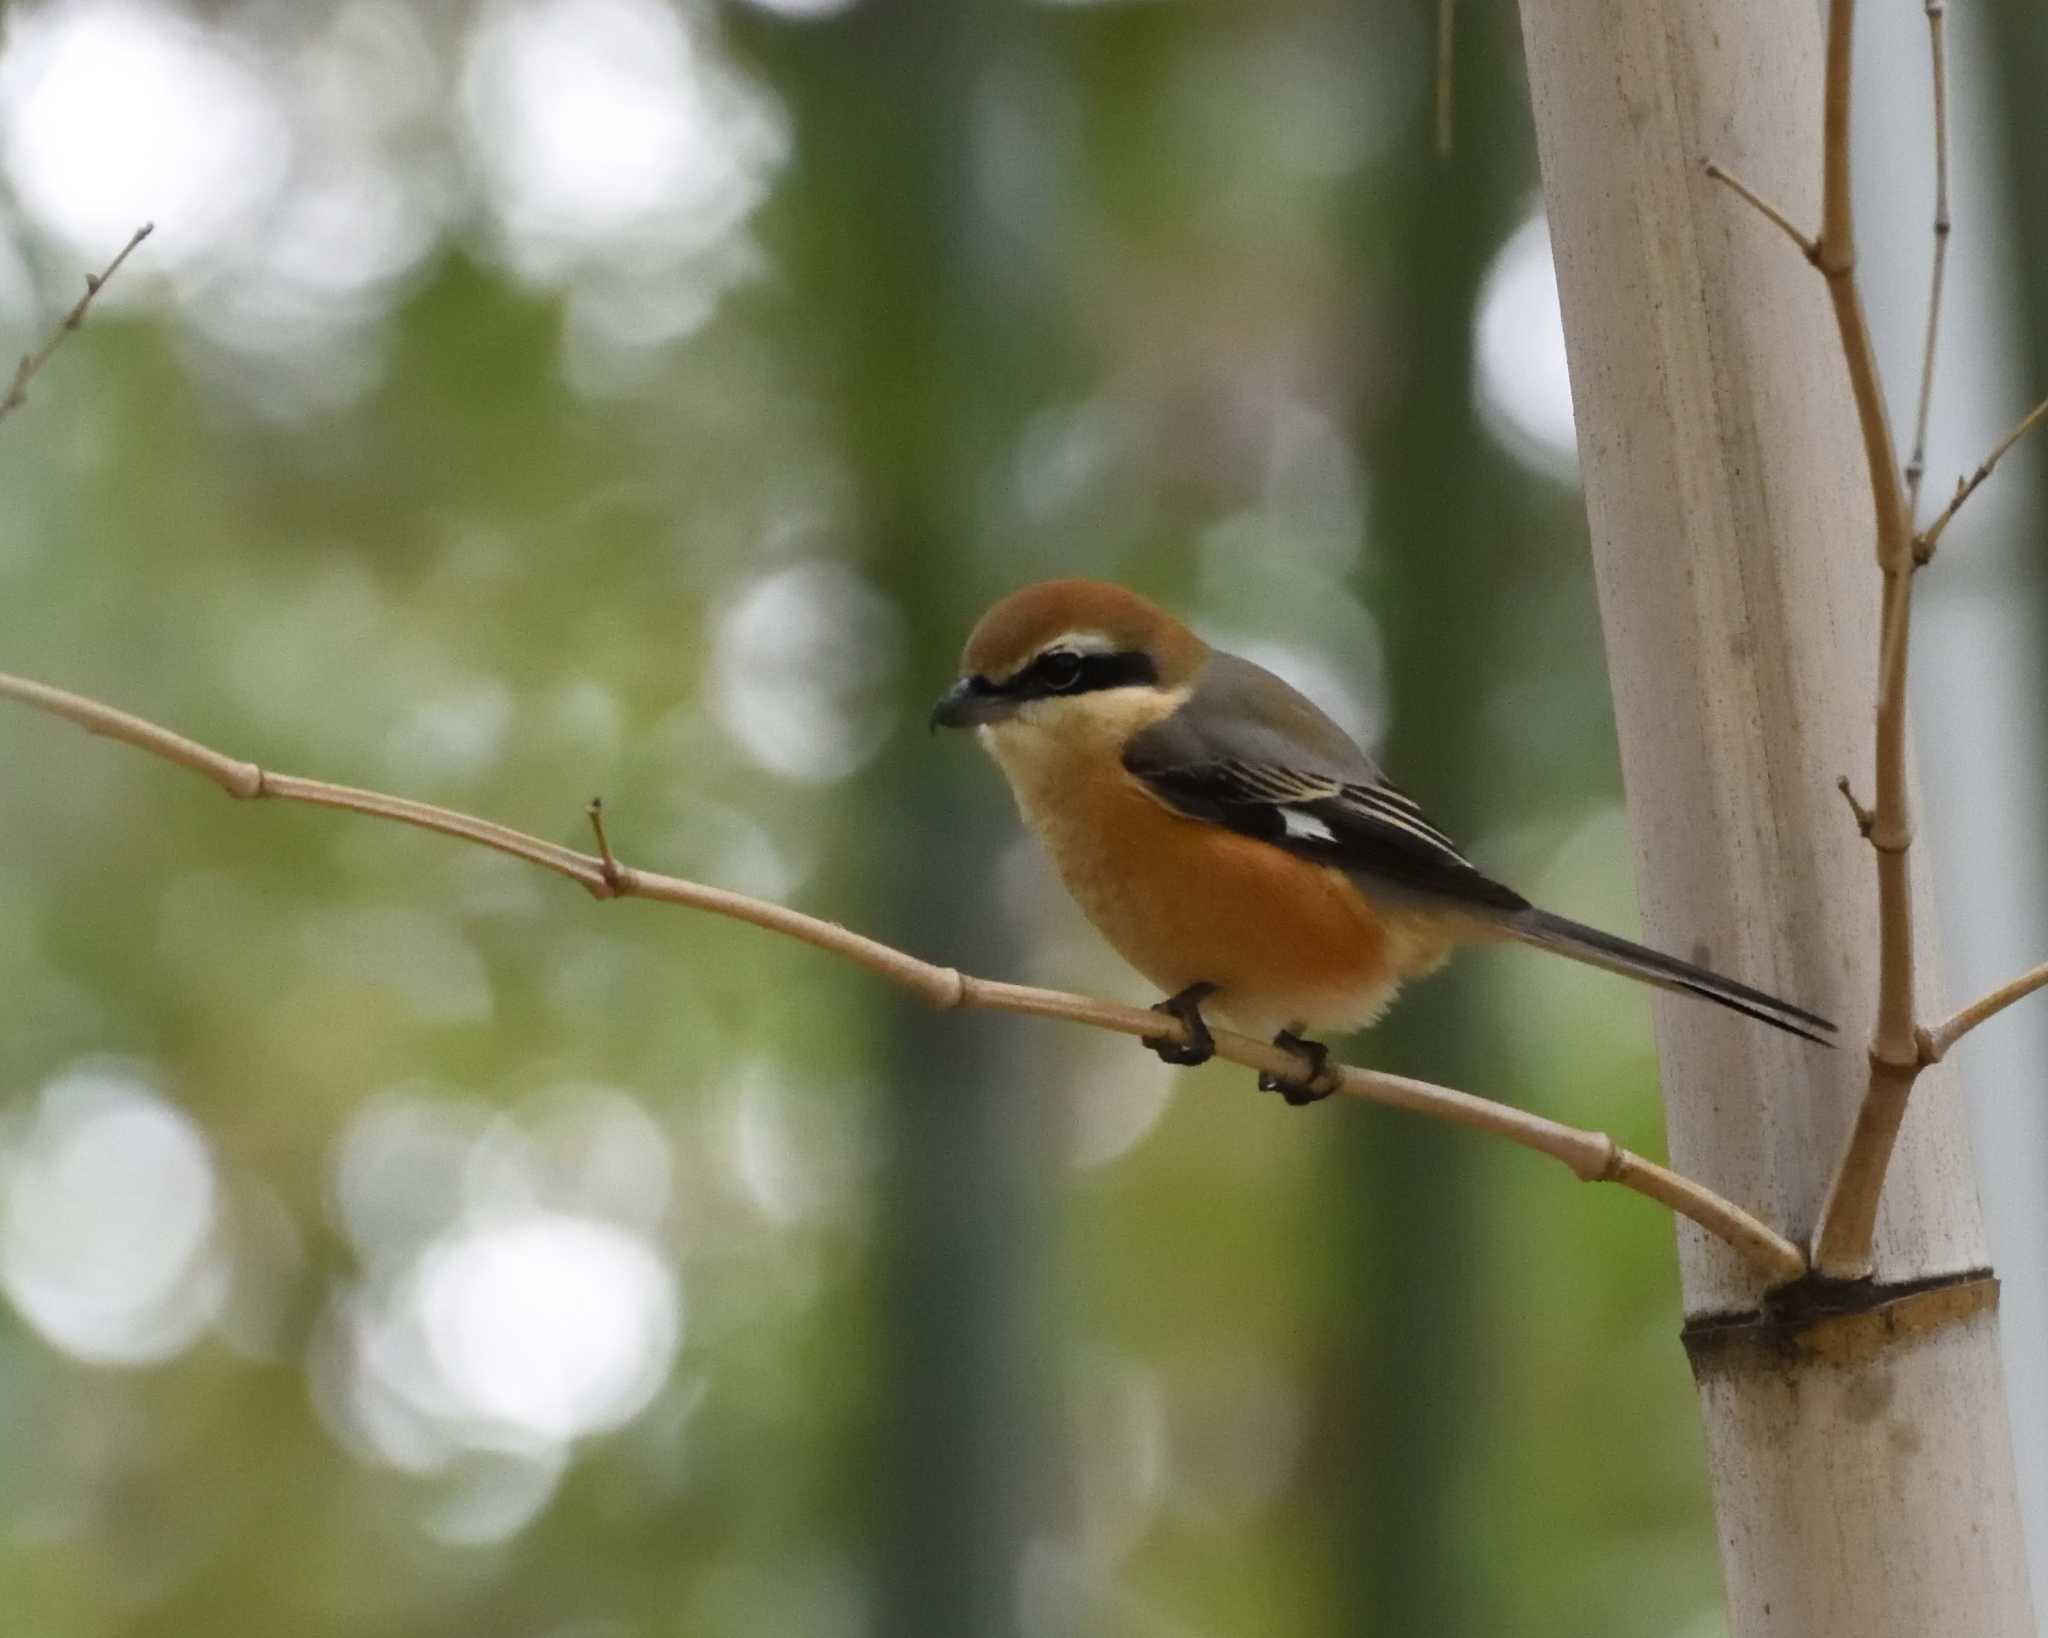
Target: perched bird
{"points": [[1232, 842]]}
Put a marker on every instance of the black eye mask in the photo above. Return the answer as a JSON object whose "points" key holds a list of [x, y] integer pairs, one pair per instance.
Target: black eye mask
{"points": [[1062, 671], [1055, 674]]}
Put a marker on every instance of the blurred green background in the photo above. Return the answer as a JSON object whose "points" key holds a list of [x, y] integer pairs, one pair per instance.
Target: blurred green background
{"points": [[546, 398]]}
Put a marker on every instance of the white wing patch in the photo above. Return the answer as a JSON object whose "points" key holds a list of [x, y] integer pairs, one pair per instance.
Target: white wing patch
{"points": [[1306, 826]]}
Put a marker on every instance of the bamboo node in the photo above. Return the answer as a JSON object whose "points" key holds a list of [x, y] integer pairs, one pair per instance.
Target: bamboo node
{"points": [[1907, 1064]]}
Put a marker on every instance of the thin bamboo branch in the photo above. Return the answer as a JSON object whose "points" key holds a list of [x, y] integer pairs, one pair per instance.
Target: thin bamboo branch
{"points": [[1591, 1156], [1899, 1048], [1936, 1041], [1848, 1221], [1809, 248], [1731, 687], [1916, 463], [1844, 1243], [1890, 664], [1835, 256], [1923, 546], [31, 363]]}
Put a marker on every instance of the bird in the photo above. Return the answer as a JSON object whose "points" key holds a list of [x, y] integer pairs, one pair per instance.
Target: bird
{"points": [[1235, 845]]}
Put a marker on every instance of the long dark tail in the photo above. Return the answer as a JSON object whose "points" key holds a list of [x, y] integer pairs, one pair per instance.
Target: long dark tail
{"points": [[1617, 955]]}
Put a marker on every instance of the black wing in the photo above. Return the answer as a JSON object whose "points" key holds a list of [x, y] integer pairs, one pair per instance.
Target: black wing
{"points": [[1363, 826], [1250, 754]]}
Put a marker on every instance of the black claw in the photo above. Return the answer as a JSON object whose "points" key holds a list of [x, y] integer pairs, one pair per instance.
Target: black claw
{"points": [[1305, 1089], [1186, 1005]]}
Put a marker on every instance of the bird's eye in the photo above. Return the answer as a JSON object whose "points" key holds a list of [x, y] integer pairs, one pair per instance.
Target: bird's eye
{"points": [[1060, 668]]}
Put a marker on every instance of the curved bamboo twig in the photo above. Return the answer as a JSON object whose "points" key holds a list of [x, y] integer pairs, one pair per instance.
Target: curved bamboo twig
{"points": [[1848, 1220], [1938, 1038], [1593, 1157], [25, 371], [1930, 537], [1916, 463]]}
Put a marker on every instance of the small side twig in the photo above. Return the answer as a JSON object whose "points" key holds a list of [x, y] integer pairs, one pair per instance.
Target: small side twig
{"points": [[1924, 543], [608, 866], [1937, 1039], [1591, 1156], [1865, 819], [31, 363], [1916, 463], [1809, 248]]}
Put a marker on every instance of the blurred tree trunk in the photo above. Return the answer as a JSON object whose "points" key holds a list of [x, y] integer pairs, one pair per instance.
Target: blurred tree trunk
{"points": [[888, 243], [1856, 1436], [1445, 498]]}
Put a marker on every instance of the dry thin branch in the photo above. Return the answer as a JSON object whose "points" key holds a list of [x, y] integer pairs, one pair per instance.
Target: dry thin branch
{"points": [[606, 862], [1936, 1041], [25, 371], [1591, 1156], [1849, 1218], [1835, 256], [1848, 1222], [1809, 248], [1924, 546], [1899, 1048], [1916, 463]]}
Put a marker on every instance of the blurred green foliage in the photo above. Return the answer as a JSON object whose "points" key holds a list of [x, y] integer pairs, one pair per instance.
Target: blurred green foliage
{"points": [[1169, 294]]}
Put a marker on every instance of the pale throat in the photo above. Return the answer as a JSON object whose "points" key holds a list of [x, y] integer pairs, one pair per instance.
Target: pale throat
{"points": [[1054, 749]]}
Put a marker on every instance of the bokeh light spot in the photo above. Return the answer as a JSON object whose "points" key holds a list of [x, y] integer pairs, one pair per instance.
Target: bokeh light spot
{"points": [[107, 1231], [608, 127], [1522, 381], [804, 671], [118, 112], [797, 1156], [550, 1325]]}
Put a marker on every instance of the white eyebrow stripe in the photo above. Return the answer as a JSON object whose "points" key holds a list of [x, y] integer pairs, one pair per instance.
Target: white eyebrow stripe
{"points": [[1082, 642]]}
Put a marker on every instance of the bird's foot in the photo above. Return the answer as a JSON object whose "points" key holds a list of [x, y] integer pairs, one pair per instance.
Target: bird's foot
{"points": [[1186, 1005], [1312, 1087]]}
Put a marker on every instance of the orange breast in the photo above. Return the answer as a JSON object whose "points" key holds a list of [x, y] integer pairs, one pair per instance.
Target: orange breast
{"points": [[1287, 942]]}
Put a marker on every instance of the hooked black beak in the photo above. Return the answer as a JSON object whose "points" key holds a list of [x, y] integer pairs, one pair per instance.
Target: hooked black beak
{"points": [[968, 703]]}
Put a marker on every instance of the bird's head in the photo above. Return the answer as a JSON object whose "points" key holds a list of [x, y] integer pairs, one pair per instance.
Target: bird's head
{"points": [[1059, 649]]}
